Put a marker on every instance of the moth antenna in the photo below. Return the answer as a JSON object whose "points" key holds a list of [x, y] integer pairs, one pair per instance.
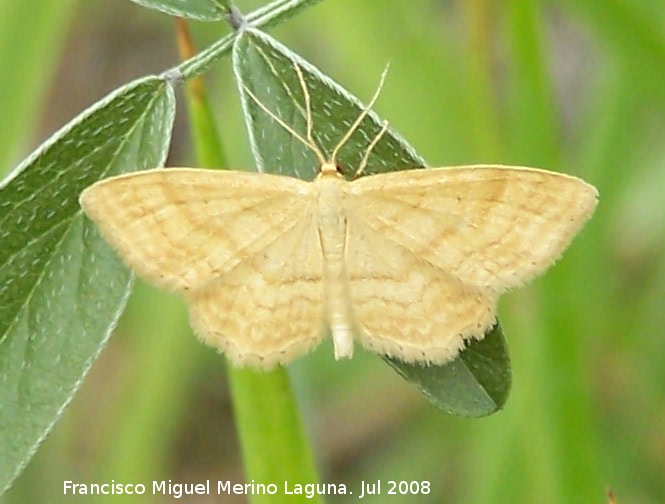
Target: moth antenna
{"points": [[369, 150], [305, 141], [308, 110], [360, 118], [308, 140]]}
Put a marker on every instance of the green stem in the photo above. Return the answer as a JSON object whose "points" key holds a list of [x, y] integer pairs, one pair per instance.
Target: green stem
{"points": [[273, 442], [482, 104], [263, 17]]}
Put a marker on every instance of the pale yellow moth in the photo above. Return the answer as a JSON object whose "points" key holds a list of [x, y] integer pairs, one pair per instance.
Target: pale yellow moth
{"points": [[409, 263]]}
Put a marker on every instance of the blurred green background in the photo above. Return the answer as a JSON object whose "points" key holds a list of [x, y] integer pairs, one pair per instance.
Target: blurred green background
{"points": [[573, 85]]}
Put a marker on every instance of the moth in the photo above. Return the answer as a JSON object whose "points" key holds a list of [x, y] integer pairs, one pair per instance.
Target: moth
{"points": [[410, 264]]}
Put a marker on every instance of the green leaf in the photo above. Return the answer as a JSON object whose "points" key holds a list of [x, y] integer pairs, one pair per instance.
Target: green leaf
{"points": [[62, 288], [475, 384], [478, 381], [201, 10]]}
